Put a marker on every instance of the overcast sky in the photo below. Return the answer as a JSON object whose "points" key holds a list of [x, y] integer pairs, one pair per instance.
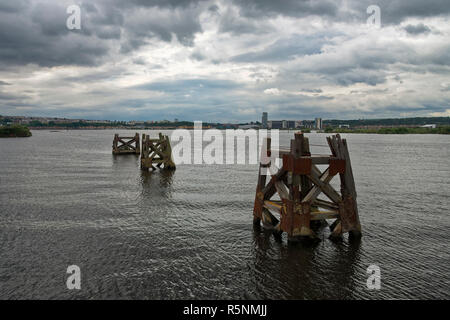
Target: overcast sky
{"points": [[225, 60]]}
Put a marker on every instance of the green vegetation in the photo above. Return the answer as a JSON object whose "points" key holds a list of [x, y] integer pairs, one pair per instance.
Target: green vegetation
{"points": [[418, 121], [121, 124], [14, 131], [397, 130], [75, 124]]}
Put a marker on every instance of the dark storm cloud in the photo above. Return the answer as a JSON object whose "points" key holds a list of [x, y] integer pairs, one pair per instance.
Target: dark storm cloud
{"points": [[293, 8], [35, 32], [13, 6], [417, 29], [392, 11], [395, 11], [38, 35], [232, 22], [183, 23], [160, 3], [398, 10]]}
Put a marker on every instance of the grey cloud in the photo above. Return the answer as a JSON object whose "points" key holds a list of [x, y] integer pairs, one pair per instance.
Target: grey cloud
{"points": [[398, 10], [163, 3], [197, 55], [361, 76], [285, 49], [214, 8], [51, 19], [139, 61], [98, 76], [109, 33], [182, 22], [36, 33], [417, 29], [187, 85], [392, 11], [312, 90], [293, 8], [13, 6], [232, 22]]}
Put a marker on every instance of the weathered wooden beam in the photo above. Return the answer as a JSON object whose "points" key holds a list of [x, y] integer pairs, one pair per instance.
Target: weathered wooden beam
{"points": [[322, 215], [272, 205], [349, 214], [316, 190], [325, 187], [325, 204]]}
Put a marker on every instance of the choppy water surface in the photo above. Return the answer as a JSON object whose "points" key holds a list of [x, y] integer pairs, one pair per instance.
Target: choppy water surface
{"points": [[65, 199]]}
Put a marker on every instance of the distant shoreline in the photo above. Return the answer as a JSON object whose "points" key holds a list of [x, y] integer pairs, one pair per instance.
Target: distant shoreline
{"points": [[394, 130]]}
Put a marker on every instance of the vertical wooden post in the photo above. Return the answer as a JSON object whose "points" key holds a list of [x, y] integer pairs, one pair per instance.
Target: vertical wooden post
{"points": [[350, 217], [259, 197], [138, 144], [144, 153], [299, 189], [306, 184], [169, 163], [115, 142]]}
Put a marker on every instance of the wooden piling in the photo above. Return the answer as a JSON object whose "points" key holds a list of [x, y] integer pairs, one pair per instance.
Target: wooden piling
{"points": [[299, 182], [126, 145], [156, 152]]}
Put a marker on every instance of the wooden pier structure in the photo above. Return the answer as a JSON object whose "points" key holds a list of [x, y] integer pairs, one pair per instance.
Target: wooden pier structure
{"points": [[126, 145], [156, 152], [299, 182]]}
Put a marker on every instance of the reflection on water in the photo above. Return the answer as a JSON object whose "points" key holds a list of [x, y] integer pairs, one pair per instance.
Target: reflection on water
{"points": [[278, 264], [189, 233], [163, 178]]}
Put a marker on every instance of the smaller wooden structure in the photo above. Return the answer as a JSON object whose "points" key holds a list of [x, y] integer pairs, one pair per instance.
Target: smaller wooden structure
{"points": [[156, 152], [299, 182], [126, 145]]}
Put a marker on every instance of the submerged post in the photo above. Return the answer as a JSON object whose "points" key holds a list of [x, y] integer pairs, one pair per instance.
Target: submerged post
{"points": [[156, 152], [298, 184], [126, 145]]}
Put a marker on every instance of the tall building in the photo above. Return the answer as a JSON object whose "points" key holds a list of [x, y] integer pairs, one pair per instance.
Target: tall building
{"points": [[319, 123], [290, 124], [264, 120], [275, 124]]}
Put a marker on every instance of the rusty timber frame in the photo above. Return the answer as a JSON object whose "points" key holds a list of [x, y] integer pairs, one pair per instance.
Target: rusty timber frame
{"points": [[156, 151], [299, 182], [126, 145]]}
